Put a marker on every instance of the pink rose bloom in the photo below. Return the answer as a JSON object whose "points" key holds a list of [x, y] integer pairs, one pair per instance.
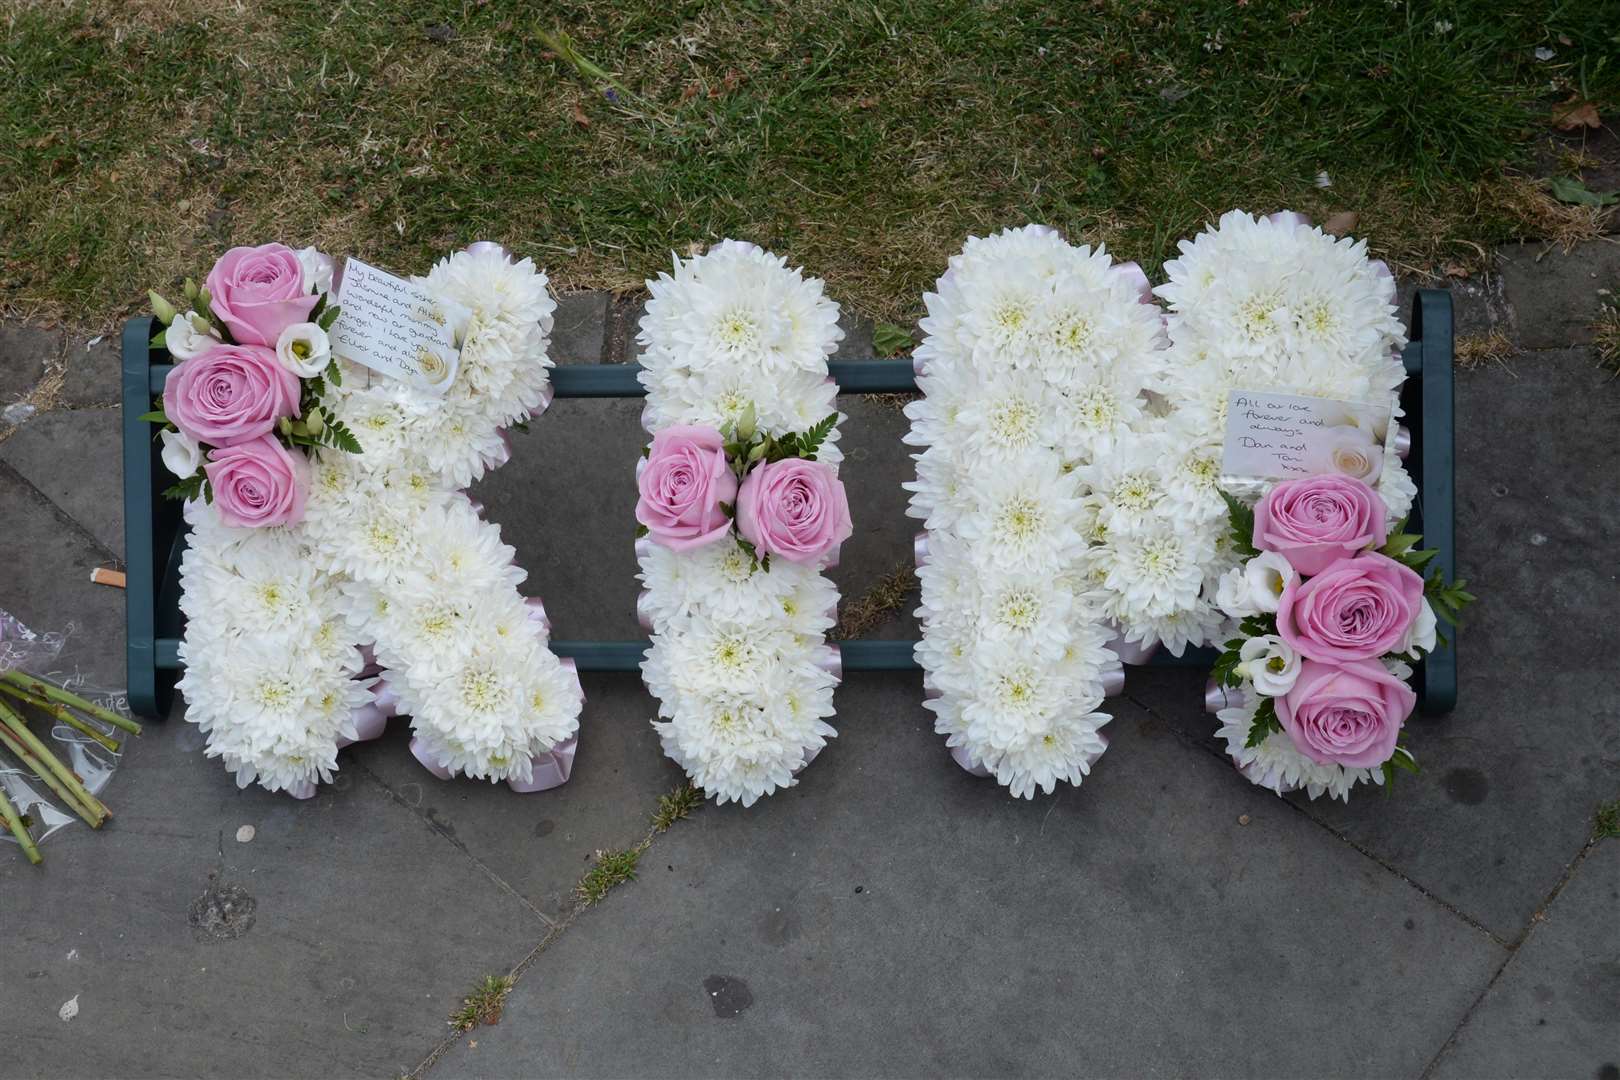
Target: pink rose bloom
{"points": [[1318, 519], [259, 291], [1356, 609], [793, 509], [682, 484], [230, 394], [258, 483], [1349, 714]]}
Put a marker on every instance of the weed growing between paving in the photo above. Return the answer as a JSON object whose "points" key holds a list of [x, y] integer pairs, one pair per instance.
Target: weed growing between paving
{"points": [[877, 605], [483, 1005], [614, 868]]}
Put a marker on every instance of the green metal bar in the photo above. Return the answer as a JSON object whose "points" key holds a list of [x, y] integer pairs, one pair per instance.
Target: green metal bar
{"points": [[155, 537]]}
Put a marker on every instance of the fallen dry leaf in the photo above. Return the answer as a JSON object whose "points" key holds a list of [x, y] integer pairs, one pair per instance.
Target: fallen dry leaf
{"points": [[1456, 270], [579, 116], [691, 90], [1576, 113], [1341, 224]]}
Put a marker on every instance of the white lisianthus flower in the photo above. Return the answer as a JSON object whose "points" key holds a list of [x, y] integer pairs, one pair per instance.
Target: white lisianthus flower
{"points": [[1423, 634], [1232, 595], [317, 268], [1270, 663], [181, 454], [190, 335], [304, 349], [1267, 575]]}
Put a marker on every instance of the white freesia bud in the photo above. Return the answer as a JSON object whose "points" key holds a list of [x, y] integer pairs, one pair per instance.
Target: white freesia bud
{"points": [[1268, 573], [181, 455], [1270, 664], [304, 350], [317, 270], [1232, 595], [1423, 633], [185, 340]]}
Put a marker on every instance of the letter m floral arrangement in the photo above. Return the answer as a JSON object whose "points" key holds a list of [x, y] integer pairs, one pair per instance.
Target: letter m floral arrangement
{"points": [[1332, 609], [740, 510]]}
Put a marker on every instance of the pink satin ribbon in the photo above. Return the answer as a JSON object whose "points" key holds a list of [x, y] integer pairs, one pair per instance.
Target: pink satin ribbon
{"points": [[371, 720], [919, 548], [549, 770], [1130, 652], [1289, 217], [830, 658], [1217, 697], [481, 247], [304, 789], [1113, 681], [1403, 442], [1133, 273], [503, 455], [809, 756], [959, 754], [643, 616], [646, 418], [537, 612], [918, 365]]}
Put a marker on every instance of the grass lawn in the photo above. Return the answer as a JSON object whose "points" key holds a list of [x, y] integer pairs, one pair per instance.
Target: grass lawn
{"points": [[863, 138]]}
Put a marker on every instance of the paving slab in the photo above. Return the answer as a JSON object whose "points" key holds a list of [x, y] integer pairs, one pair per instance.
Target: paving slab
{"points": [[579, 333], [1479, 304], [893, 916], [1554, 295], [1511, 778], [25, 352], [541, 843], [45, 578], [566, 501], [1555, 1009], [93, 371], [74, 457], [333, 943]]}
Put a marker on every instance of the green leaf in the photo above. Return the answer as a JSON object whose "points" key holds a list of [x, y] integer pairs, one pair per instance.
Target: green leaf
{"points": [[646, 451], [642, 530], [1570, 190], [334, 374], [1265, 722], [811, 440], [1403, 760], [338, 436], [156, 416], [315, 312], [189, 488], [1242, 519], [328, 317], [208, 493], [765, 563], [160, 340], [728, 509], [888, 339]]}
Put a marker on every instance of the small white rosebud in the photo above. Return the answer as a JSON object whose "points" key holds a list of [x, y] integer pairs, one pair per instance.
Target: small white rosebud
{"points": [[181, 455], [1423, 633], [189, 335]]}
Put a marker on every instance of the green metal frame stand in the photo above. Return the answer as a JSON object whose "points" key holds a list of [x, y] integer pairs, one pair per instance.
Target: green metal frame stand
{"points": [[155, 535]]}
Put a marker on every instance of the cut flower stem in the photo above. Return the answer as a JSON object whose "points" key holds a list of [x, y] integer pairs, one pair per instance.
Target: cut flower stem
{"points": [[62, 713], [14, 824], [20, 734], [33, 684]]}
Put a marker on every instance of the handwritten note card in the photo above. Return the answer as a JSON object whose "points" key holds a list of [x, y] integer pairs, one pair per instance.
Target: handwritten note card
{"points": [[396, 327], [1278, 436]]}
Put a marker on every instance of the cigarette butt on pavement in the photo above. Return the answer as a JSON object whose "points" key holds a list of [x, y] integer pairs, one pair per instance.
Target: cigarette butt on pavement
{"points": [[103, 576]]}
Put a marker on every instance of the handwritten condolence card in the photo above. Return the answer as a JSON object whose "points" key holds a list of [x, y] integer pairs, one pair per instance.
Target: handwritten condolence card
{"points": [[1280, 436], [395, 327]]}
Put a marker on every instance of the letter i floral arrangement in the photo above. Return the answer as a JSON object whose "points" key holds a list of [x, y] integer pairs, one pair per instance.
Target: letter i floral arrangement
{"points": [[740, 509], [336, 573]]}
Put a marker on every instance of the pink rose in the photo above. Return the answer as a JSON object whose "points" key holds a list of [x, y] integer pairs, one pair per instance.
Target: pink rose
{"points": [[1356, 609], [682, 485], [1317, 519], [230, 394], [1349, 714], [793, 509], [259, 291], [258, 483]]}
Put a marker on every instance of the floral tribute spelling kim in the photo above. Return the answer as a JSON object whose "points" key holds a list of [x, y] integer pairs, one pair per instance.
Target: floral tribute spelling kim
{"points": [[335, 572], [740, 509], [1331, 609]]}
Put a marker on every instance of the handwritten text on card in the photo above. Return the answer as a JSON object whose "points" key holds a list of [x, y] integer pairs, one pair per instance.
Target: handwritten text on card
{"points": [[396, 327], [1278, 436]]}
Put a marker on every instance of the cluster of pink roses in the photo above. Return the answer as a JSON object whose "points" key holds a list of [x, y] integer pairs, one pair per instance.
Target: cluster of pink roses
{"points": [[691, 493], [235, 402], [1341, 607]]}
